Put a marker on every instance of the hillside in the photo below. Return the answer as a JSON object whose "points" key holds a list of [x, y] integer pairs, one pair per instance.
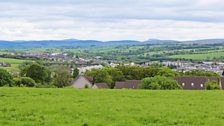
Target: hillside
{"points": [[91, 43], [63, 43]]}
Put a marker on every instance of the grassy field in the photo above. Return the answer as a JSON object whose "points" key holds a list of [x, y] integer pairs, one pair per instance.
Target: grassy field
{"points": [[14, 63], [72, 107], [205, 56]]}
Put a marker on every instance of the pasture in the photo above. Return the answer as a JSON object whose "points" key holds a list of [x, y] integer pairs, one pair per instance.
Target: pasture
{"points": [[14, 64], [203, 56], [92, 107]]}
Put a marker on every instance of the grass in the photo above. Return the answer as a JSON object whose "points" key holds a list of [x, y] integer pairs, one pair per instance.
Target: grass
{"points": [[205, 56], [12, 61], [14, 64], [72, 107]]}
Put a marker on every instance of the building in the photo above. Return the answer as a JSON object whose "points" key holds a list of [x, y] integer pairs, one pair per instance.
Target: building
{"points": [[195, 82], [87, 82], [3, 64], [100, 86], [82, 82], [129, 84]]}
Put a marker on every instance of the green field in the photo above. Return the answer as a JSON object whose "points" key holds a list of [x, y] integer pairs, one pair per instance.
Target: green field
{"points": [[14, 64], [86, 107], [205, 56]]}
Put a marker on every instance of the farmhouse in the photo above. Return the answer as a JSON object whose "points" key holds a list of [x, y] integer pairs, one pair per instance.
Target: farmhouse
{"points": [[87, 82], [194, 82], [129, 84], [82, 82], [100, 85], [3, 64]]}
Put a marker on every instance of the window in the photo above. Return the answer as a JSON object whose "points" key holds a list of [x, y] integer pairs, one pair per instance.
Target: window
{"points": [[202, 85], [183, 84], [192, 84]]}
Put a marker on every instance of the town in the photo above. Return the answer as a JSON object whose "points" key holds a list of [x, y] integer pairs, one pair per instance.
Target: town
{"points": [[84, 65]]}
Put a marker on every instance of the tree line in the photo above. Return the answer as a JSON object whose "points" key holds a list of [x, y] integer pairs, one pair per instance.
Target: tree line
{"points": [[34, 74]]}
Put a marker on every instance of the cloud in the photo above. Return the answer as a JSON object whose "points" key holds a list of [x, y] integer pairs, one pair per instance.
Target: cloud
{"points": [[111, 20]]}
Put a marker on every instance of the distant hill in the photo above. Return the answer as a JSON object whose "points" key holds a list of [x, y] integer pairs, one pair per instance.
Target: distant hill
{"points": [[92, 43], [158, 41], [63, 43], [206, 41]]}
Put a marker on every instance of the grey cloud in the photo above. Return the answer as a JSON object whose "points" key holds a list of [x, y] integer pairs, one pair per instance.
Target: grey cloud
{"points": [[114, 10]]}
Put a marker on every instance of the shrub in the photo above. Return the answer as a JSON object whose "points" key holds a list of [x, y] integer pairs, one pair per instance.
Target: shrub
{"points": [[212, 85], [24, 81], [5, 78], [45, 85], [159, 83], [86, 86]]}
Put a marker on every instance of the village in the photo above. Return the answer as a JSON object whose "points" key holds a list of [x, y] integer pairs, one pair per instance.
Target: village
{"points": [[186, 82], [87, 63], [84, 64]]}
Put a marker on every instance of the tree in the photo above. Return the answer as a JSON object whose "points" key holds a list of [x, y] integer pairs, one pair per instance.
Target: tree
{"points": [[201, 73], [75, 72], [62, 77], [5, 78], [159, 82], [132, 72], [138, 73], [100, 76], [24, 67], [37, 72], [115, 73], [212, 85], [167, 72]]}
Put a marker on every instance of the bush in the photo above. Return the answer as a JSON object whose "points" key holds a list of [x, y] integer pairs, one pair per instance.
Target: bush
{"points": [[5, 78], [24, 81], [45, 85], [212, 85], [159, 83], [201, 73], [86, 86]]}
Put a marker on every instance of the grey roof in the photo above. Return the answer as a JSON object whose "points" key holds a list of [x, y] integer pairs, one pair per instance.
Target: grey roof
{"points": [[90, 79], [129, 84], [102, 85], [194, 82]]}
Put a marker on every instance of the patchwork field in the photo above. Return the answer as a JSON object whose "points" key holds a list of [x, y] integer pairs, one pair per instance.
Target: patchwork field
{"points": [[71, 107]]}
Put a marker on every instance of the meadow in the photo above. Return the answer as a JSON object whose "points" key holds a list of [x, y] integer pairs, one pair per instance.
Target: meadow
{"points": [[92, 107], [204, 56], [14, 64]]}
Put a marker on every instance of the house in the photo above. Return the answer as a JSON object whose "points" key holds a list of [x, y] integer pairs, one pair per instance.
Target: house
{"points": [[3, 64], [129, 84], [194, 82], [82, 82], [100, 85]]}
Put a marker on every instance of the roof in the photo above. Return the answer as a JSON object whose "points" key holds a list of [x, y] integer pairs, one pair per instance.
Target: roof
{"points": [[90, 79], [129, 84], [194, 82], [101, 85]]}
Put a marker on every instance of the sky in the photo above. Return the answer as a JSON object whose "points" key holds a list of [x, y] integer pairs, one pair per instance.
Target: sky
{"points": [[111, 19]]}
